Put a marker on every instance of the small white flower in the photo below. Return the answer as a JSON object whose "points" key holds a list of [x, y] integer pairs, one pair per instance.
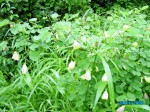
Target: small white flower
{"points": [[76, 45], [105, 95], [121, 31], [16, 56], [87, 75], [106, 34], [24, 69], [71, 65], [104, 78], [147, 79], [125, 27], [120, 109]]}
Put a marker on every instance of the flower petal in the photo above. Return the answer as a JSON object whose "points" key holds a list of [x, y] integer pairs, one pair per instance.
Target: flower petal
{"points": [[105, 95], [87, 75], [71, 65], [24, 69], [16, 56], [121, 109]]}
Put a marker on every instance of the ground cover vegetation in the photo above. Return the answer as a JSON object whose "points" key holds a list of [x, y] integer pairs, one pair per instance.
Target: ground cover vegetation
{"points": [[74, 55]]}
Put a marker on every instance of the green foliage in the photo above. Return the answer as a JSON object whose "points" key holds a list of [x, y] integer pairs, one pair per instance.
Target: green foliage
{"points": [[53, 63]]}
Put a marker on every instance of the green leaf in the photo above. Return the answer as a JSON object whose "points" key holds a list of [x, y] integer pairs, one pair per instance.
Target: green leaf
{"points": [[43, 36], [121, 98], [34, 55], [145, 7], [33, 46], [146, 107], [110, 83], [28, 80], [4, 22], [3, 45], [100, 89], [131, 96], [63, 26]]}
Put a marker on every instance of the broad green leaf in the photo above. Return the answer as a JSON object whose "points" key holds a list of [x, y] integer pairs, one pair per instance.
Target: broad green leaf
{"points": [[34, 55], [4, 22], [33, 46], [43, 36], [3, 45], [63, 26], [145, 7], [100, 89]]}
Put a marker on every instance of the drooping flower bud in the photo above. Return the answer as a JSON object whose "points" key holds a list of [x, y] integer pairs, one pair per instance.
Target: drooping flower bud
{"points": [[121, 109], [87, 75], [105, 95], [76, 45], [125, 27], [71, 65], [24, 69], [104, 78], [16, 56]]}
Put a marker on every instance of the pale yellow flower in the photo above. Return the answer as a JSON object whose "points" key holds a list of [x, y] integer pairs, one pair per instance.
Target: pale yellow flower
{"points": [[105, 95], [147, 79], [146, 96], [106, 34], [87, 75], [76, 45], [24, 69], [126, 27], [104, 78], [16, 56], [71, 65], [135, 44]]}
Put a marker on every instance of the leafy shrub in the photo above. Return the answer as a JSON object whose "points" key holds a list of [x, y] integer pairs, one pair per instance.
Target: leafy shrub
{"points": [[116, 44]]}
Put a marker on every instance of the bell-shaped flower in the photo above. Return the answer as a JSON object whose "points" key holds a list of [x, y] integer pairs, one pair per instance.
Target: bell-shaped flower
{"points": [[71, 65], [76, 45], [105, 95], [87, 75], [121, 109], [16, 56], [104, 78], [24, 69]]}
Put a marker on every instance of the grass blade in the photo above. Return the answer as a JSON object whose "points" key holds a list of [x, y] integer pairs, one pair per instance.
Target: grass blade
{"points": [[100, 89], [110, 83], [146, 107]]}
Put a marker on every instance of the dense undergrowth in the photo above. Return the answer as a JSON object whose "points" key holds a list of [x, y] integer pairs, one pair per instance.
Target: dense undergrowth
{"points": [[63, 56]]}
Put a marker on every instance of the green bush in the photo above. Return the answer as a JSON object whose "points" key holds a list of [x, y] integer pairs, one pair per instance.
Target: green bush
{"points": [[67, 60]]}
